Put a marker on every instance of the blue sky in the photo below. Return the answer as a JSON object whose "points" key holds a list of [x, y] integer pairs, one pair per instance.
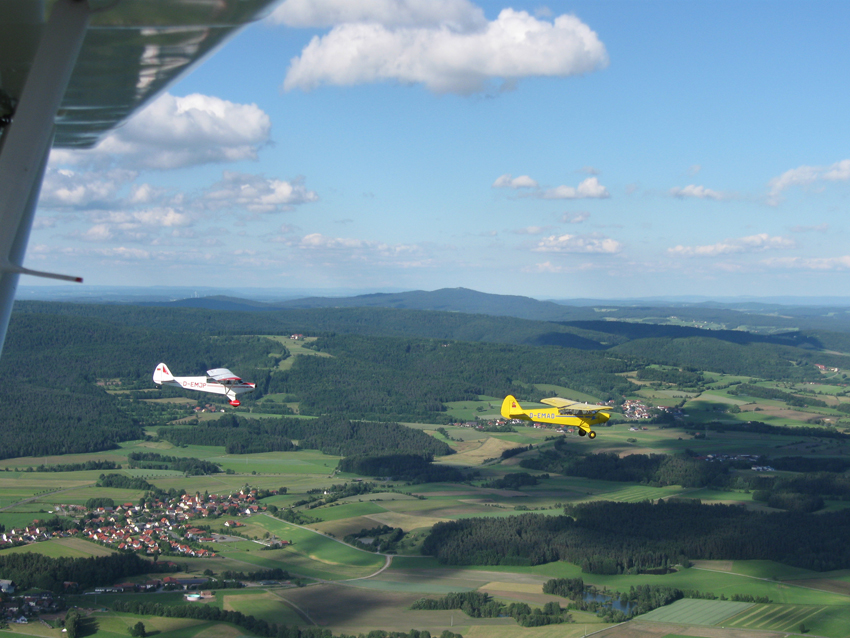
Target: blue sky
{"points": [[570, 149]]}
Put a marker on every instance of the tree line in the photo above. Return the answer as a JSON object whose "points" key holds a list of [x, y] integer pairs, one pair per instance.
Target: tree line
{"points": [[650, 469], [481, 605], [188, 465], [752, 390], [614, 538], [334, 435]]}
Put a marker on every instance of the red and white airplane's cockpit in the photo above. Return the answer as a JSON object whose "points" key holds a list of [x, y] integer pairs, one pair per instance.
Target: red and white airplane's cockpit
{"points": [[217, 381]]}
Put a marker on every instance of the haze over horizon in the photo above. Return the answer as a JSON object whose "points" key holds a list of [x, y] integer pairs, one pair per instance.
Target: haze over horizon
{"points": [[567, 150]]}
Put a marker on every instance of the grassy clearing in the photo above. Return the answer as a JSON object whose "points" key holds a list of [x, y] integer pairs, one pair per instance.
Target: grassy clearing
{"points": [[488, 449], [346, 510], [696, 612], [264, 604], [357, 609], [62, 548], [823, 620], [311, 554]]}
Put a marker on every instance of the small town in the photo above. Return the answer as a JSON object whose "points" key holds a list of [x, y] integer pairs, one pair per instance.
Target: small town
{"points": [[156, 527]]}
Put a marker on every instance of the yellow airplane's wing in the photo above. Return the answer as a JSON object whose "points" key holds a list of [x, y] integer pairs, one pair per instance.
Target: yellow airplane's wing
{"points": [[558, 402]]}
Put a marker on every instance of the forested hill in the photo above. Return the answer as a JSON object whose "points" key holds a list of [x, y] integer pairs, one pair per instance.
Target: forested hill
{"points": [[754, 316], [583, 334]]}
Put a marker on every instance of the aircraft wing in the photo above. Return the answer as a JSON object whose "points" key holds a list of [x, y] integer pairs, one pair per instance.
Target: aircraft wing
{"points": [[222, 374], [558, 402], [71, 71], [131, 50]]}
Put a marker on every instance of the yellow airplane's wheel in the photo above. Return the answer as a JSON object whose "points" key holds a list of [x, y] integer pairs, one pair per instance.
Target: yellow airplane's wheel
{"points": [[591, 434], [581, 432]]}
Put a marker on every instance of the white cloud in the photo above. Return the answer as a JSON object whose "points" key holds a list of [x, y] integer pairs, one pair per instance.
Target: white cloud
{"points": [[699, 192], [317, 246], [578, 244], [750, 244], [460, 14], [509, 181], [810, 263], [532, 230], [175, 132], [257, 194], [589, 188], [694, 169], [65, 188], [805, 176], [549, 267], [575, 218], [460, 54]]}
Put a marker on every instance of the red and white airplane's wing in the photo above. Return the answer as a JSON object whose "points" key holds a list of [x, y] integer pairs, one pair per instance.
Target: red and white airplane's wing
{"points": [[71, 71]]}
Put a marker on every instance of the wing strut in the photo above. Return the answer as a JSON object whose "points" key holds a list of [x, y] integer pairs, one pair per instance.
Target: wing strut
{"points": [[25, 144]]}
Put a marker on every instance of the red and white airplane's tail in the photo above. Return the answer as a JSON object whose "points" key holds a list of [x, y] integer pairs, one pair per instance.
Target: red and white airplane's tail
{"points": [[217, 381]]}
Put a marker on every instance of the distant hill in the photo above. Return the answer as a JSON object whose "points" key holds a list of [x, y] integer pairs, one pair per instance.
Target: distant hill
{"points": [[748, 317], [451, 300]]}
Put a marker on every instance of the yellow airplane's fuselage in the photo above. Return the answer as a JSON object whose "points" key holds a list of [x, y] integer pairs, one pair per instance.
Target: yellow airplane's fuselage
{"points": [[555, 417], [565, 417]]}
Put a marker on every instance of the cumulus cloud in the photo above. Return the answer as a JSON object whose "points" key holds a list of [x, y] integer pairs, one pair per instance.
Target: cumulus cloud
{"points": [[257, 194], [578, 244], [66, 188], [176, 132], [461, 52], [699, 192], [532, 230], [589, 188], [317, 241], [326, 249], [138, 225], [753, 243], [509, 181], [806, 176], [575, 218]]}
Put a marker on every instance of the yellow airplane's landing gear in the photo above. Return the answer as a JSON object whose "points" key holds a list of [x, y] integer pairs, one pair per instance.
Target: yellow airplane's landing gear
{"points": [[581, 432], [591, 434]]}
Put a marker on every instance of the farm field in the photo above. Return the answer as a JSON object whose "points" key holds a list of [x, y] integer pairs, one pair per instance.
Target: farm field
{"points": [[696, 612], [822, 620]]}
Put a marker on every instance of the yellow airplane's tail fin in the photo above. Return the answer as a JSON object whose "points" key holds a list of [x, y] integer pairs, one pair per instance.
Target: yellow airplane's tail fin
{"points": [[511, 408]]}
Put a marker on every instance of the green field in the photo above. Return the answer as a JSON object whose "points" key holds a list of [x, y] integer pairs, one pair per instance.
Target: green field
{"points": [[696, 612], [822, 620]]}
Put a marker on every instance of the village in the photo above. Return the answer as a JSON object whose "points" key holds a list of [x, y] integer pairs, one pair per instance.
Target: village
{"points": [[159, 526]]}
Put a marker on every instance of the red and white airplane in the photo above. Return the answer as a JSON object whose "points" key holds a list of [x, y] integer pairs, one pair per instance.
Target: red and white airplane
{"points": [[218, 381]]}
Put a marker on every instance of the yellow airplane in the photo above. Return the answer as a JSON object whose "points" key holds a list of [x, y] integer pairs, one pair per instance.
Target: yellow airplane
{"points": [[565, 413]]}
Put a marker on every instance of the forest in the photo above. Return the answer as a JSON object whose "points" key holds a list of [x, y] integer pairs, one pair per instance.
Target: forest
{"points": [[155, 461], [31, 569], [57, 352], [414, 468], [606, 537], [651, 469], [329, 434]]}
